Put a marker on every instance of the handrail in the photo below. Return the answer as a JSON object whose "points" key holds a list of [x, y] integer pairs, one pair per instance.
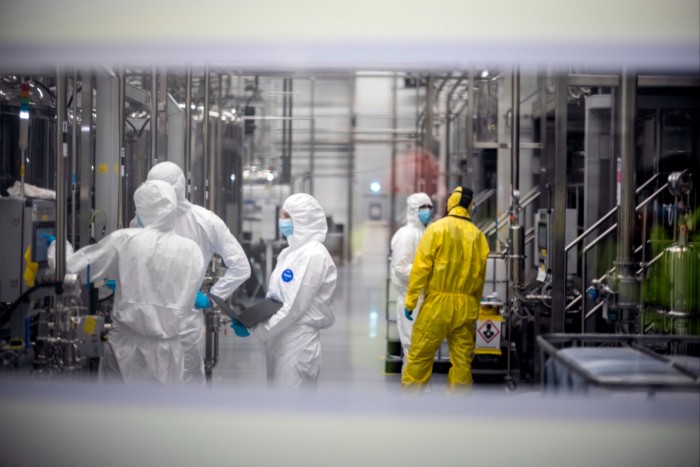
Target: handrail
{"points": [[614, 226], [648, 265], [529, 197], [483, 196], [588, 231]]}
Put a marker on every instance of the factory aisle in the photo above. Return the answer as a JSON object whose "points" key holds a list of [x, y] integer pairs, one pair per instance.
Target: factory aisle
{"points": [[352, 349]]}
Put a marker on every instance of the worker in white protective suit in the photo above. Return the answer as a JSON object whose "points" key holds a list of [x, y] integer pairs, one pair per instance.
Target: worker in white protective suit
{"points": [[158, 274], [212, 236], [304, 281], [404, 243]]}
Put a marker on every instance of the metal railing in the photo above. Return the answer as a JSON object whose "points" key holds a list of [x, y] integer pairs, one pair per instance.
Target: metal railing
{"points": [[584, 314], [496, 226]]}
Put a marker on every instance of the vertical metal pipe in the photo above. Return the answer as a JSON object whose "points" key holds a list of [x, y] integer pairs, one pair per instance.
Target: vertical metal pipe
{"points": [[628, 298], [515, 131], [543, 113], [188, 130], [205, 133], [154, 117], [419, 136], [448, 140], [74, 159], [392, 182], [61, 157], [86, 161], [290, 140], [429, 142], [215, 158], [312, 144], [559, 221], [122, 148], [469, 123], [162, 147], [285, 175], [351, 168]]}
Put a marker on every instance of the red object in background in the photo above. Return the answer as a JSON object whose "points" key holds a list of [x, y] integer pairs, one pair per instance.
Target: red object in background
{"points": [[416, 171]]}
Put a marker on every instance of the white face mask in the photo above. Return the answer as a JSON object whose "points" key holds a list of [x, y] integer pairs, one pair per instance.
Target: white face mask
{"points": [[471, 209]]}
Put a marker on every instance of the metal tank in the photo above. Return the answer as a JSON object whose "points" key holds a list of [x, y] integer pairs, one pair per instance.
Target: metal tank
{"points": [[681, 265]]}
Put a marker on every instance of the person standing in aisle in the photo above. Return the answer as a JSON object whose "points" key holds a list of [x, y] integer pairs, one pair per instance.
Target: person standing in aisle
{"points": [[449, 269], [404, 243], [304, 281], [157, 275], [213, 237]]}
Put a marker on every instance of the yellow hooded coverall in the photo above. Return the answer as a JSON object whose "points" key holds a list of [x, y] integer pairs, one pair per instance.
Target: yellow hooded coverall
{"points": [[450, 266]]}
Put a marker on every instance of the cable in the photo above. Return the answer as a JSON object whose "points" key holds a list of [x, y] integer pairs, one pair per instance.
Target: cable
{"points": [[143, 127], [70, 101]]}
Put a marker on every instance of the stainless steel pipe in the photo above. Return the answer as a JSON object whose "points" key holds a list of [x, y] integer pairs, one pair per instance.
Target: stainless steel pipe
{"points": [[61, 157]]}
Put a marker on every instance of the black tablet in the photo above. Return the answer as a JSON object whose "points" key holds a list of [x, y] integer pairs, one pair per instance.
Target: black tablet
{"points": [[253, 315]]}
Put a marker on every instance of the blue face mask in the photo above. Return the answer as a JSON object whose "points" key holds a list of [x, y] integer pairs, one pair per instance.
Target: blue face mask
{"points": [[425, 215], [138, 221], [286, 227]]}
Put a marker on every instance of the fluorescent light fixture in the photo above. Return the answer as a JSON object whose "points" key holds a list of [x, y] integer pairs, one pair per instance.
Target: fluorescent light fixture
{"points": [[375, 187]]}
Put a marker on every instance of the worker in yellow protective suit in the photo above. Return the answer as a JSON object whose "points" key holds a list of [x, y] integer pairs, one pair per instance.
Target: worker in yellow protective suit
{"points": [[449, 268]]}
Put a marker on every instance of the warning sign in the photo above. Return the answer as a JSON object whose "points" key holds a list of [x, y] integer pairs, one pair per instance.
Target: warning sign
{"points": [[488, 334], [488, 331]]}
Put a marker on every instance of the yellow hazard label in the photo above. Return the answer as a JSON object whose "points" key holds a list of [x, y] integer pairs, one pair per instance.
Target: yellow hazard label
{"points": [[543, 252], [44, 217], [21, 171], [89, 325], [102, 168], [116, 168]]}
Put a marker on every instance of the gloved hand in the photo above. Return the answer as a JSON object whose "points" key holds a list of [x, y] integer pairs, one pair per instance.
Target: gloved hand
{"points": [[408, 313], [111, 284], [239, 328], [49, 238], [202, 301]]}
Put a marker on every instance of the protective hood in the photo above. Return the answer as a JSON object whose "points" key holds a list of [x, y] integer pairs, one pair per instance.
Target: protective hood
{"points": [[459, 201], [156, 205], [308, 218], [172, 173], [413, 202]]}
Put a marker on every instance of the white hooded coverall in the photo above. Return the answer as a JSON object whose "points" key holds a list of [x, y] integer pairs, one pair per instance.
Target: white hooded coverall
{"points": [[304, 280], [212, 235], [404, 244], [158, 274]]}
